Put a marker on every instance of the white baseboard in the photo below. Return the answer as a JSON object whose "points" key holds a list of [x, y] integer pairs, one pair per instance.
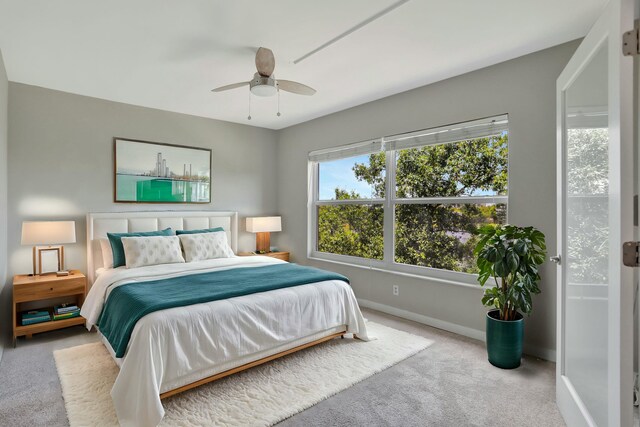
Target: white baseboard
{"points": [[542, 353], [420, 318]]}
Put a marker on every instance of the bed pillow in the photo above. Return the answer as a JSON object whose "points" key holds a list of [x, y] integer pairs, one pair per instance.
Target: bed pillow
{"points": [[201, 246], [204, 230], [107, 253], [151, 250], [116, 243]]}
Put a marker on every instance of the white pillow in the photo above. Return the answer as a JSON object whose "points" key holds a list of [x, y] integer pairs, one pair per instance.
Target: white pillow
{"points": [[151, 250], [107, 253], [202, 246]]}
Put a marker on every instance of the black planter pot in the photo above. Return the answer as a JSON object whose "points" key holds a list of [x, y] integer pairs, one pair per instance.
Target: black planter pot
{"points": [[504, 340]]}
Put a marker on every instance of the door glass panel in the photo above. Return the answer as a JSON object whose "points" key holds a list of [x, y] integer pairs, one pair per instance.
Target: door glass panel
{"points": [[587, 235]]}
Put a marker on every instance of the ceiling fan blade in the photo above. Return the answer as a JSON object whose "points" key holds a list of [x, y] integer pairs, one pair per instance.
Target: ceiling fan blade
{"points": [[228, 87], [265, 62], [295, 87]]}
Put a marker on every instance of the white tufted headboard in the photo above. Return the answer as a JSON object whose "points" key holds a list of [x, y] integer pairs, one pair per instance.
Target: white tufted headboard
{"points": [[99, 224]]}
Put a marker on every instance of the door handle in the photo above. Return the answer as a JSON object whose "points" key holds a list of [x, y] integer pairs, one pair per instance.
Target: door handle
{"points": [[555, 259]]}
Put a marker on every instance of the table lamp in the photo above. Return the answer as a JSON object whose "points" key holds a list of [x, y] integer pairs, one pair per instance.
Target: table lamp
{"points": [[48, 236], [263, 226]]}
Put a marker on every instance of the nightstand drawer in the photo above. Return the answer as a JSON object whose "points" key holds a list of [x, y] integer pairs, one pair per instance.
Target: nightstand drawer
{"points": [[284, 256], [37, 291]]}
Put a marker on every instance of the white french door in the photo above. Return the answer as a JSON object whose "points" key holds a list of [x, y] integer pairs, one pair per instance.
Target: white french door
{"points": [[596, 161]]}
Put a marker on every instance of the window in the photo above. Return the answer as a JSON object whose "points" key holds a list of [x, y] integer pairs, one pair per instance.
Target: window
{"points": [[410, 202]]}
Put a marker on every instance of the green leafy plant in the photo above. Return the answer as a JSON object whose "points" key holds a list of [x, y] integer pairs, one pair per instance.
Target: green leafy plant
{"points": [[511, 255]]}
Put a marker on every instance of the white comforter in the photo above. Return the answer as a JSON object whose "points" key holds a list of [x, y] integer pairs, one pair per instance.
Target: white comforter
{"points": [[174, 347]]}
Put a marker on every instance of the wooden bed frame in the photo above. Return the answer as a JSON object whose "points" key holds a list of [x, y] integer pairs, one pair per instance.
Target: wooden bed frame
{"points": [[98, 224], [250, 365]]}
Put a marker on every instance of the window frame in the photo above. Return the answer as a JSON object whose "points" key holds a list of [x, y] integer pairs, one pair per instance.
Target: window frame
{"points": [[389, 203]]}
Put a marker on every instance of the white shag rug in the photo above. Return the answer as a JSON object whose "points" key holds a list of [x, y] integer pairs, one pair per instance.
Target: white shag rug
{"points": [[261, 396]]}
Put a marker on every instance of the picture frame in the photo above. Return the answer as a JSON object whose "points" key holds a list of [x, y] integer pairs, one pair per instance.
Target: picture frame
{"points": [[156, 172]]}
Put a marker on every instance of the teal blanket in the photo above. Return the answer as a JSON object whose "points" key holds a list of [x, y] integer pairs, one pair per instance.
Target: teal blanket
{"points": [[128, 303]]}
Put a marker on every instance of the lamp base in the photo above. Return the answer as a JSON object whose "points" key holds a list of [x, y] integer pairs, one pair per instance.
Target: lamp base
{"points": [[37, 254], [263, 242]]}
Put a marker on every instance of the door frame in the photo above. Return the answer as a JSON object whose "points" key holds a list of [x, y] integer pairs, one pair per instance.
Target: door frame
{"points": [[616, 18]]}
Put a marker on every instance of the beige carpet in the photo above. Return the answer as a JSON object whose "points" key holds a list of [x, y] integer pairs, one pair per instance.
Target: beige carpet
{"points": [[261, 396]]}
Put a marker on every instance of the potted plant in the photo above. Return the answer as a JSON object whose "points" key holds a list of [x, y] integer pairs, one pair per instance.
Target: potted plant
{"points": [[511, 256]]}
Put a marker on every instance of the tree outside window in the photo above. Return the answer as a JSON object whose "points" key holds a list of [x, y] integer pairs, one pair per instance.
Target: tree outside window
{"points": [[442, 193]]}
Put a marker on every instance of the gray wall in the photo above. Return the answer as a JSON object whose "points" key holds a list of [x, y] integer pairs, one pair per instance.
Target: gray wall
{"points": [[525, 89], [60, 167], [61, 163], [5, 317]]}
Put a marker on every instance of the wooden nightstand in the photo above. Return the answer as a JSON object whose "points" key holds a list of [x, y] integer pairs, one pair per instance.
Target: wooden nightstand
{"points": [[31, 289], [280, 255]]}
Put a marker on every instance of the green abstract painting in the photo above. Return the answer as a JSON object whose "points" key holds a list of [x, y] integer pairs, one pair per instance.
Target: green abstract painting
{"points": [[151, 172]]}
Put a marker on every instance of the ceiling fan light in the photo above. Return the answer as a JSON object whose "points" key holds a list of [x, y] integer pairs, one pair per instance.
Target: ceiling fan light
{"points": [[263, 90]]}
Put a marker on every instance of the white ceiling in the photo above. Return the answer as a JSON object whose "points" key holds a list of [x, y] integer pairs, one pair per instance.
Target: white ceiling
{"points": [[169, 54]]}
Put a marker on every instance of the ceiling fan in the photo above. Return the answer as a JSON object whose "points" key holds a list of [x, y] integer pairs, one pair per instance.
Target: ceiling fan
{"points": [[264, 82]]}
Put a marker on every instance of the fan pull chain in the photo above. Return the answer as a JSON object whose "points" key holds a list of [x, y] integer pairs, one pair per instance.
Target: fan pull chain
{"points": [[278, 103], [249, 116]]}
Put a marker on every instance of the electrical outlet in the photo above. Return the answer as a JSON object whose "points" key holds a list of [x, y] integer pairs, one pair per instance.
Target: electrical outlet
{"points": [[396, 290]]}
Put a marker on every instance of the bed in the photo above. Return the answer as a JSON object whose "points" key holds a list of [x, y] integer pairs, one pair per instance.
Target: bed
{"points": [[178, 348]]}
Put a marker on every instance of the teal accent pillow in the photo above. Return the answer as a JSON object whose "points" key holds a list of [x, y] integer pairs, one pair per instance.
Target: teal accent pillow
{"points": [[204, 230], [116, 243]]}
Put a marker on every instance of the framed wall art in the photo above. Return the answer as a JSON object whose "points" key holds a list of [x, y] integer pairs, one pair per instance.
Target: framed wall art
{"points": [[153, 172]]}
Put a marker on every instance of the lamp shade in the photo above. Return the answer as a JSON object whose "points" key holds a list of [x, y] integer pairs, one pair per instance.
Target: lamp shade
{"points": [[48, 232], [264, 224]]}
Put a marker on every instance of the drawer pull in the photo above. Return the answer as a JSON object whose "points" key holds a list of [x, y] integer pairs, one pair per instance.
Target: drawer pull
{"points": [[51, 289]]}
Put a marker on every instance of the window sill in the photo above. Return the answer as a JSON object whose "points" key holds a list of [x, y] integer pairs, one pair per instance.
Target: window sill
{"points": [[425, 276]]}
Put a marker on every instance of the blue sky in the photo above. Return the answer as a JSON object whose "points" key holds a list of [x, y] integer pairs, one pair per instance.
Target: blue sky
{"points": [[339, 174]]}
